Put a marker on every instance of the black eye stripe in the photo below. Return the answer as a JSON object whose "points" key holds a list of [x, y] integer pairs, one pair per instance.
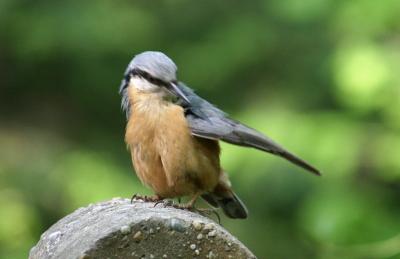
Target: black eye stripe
{"points": [[148, 77]]}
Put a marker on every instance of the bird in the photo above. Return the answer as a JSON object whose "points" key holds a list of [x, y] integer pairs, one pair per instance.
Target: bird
{"points": [[173, 136]]}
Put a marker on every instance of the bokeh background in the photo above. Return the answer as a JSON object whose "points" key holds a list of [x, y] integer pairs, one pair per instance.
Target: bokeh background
{"points": [[321, 77]]}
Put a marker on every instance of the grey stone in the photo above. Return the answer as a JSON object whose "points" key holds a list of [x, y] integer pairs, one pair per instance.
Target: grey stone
{"points": [[119, 229]]}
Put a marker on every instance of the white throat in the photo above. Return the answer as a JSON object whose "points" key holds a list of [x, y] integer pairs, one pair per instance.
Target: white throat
{"points": [[142, 84]]}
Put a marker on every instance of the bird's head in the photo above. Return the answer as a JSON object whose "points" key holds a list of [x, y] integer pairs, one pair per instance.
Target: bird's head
{"points": [[149, 72]]}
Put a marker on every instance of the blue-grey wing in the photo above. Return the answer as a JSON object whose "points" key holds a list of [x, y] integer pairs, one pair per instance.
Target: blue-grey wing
{"points": [[207, 121]]}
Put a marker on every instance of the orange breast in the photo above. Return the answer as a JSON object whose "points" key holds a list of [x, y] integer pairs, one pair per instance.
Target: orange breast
{"points": [[165, 155]]}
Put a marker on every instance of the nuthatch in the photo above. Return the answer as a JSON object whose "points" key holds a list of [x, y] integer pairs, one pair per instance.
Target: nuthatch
{"points": [[173, 136]]}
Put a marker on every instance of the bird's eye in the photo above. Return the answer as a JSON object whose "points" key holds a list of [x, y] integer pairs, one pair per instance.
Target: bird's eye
{"points": [[154, 80], [148, 77]]}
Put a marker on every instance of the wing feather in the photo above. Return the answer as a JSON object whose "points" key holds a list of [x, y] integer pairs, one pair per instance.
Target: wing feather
{"points": [[207, 121]]}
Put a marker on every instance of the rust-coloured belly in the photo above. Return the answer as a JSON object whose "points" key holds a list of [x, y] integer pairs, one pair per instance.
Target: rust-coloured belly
{"points": [[165, 155]]}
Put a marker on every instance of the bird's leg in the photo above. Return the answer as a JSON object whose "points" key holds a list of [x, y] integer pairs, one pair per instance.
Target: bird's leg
{"points": [[154, 198], [190, 204], [192, 201]]}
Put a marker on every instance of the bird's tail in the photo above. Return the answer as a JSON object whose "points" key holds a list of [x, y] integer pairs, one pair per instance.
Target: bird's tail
{"points": [[229, 202]]}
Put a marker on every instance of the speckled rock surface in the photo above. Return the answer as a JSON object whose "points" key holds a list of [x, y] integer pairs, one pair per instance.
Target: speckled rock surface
{"points": [[119, 229]]}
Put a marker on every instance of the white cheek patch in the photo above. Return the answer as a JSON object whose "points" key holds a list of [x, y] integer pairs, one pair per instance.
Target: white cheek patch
{"points": [[143, 85]]}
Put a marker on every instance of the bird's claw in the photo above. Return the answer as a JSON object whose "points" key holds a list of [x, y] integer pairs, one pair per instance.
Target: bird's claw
{"points": [[164, 202], [146, 198], [182, 206]]}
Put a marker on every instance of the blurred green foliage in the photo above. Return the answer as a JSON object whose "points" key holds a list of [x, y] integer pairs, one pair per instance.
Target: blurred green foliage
{"points": [[321, 77]]}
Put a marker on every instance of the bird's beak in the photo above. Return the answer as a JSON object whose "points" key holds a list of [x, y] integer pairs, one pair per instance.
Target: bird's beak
{"points": [[178, 92]]}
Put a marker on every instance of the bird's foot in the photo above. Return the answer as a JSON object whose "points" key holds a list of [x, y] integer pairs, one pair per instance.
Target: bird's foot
{"points": [[154, 198], [164, 202], [186, 206]]}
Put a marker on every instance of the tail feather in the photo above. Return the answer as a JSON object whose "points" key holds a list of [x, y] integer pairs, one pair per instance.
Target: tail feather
{"points": [[232, 206]]}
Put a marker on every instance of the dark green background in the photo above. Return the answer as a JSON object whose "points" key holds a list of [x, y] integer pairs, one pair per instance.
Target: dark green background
{"points": [[321, 77]]}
